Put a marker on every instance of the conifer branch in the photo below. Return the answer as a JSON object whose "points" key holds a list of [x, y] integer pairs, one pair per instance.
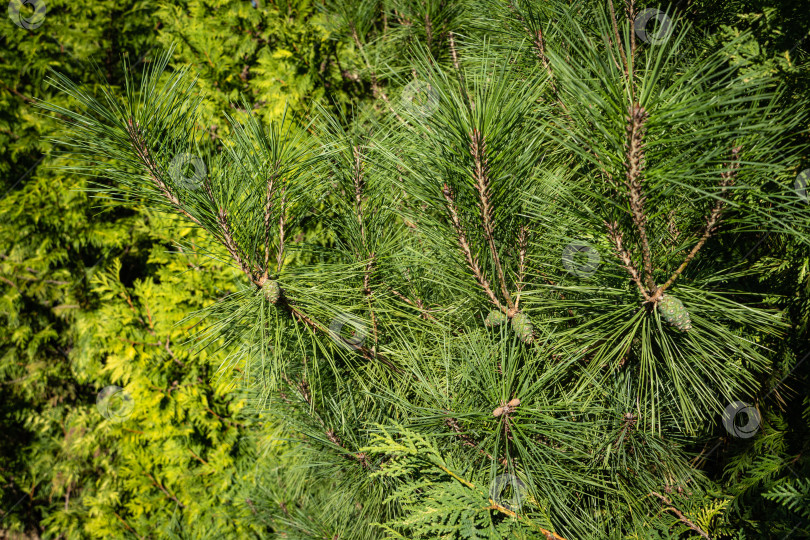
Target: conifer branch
{"points": [[466, 439], [630, 9], [457, 66], [417, 304], [375, 87], [478, 149], [465, 247], [616, 236], [727, 179], [268, 204], [618, 38], [634, 164], [454, 54], [369, 294], [540, 51], [282, 220], [428, 30], [164, 490], [521, 274], [549, 535], [142, 151], [232, 247], [359, 184]]}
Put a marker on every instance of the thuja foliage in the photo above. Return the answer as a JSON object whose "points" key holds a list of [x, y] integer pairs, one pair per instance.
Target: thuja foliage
{"points": [[559, 252]]}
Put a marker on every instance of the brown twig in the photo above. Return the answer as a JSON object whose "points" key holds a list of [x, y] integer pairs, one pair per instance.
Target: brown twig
{"points": [[540, 51], [616, 236], [282, 220], [683, 519], [465, 247], [268, 205], [452, 423], [425, 313], [369, 294], [232, 247], [164, 490]]}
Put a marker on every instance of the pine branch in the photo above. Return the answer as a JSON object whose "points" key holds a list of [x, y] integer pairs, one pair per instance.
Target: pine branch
{"points": [[142, 151], [465, 247], [369, 294], [521, 274], [282, 220], [540, 51], [478, 149], [452, 423], [635, 163], [618, 38], [375, 87], [417, 303], [616, 236], [727, 179], [233, 248], [268, 204], [359, 184], [457, 66]]}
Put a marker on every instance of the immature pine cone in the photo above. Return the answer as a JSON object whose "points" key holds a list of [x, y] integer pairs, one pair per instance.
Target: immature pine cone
{"points": [[672, 311], [271, 291], [495, 317], [523, 327]]}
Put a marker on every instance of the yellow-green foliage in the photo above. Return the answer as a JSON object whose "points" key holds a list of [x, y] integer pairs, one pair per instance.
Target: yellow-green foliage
{"points": [[91, 296]]}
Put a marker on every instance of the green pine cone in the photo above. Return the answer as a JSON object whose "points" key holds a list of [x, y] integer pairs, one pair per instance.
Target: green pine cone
{"points": [[495, 317], [523, 327], [271, 291], [673, 312]]}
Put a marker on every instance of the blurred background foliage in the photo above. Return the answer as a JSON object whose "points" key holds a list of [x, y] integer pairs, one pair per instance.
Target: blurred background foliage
{"points": [[92, 292], [95, 294]]}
